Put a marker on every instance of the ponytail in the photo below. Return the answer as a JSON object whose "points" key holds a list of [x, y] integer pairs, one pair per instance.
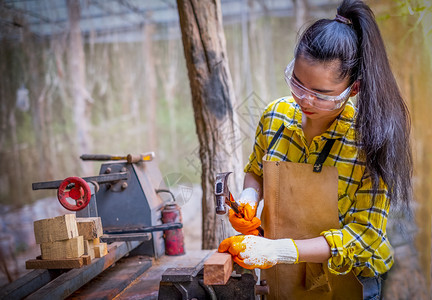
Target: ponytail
{"points": [[382, 124]]}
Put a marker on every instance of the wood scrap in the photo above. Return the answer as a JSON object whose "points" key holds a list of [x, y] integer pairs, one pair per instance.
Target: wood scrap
{"points": [[218, 269]]}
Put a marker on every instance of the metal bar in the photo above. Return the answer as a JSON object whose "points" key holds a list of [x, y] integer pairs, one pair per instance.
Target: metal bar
{"points": [[29, 283], [162, 227], [105, 178], [126, 237], [66, 284]]}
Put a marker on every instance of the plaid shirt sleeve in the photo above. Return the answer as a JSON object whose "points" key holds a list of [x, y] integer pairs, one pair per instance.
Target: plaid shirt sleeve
{"points": [[362, 243]]}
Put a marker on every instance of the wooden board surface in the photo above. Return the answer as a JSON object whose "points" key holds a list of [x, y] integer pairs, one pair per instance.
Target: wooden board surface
{"points": [[55, 229], [69, 263], [218, 269], [90, 228], [113, 281], [72, 248]]}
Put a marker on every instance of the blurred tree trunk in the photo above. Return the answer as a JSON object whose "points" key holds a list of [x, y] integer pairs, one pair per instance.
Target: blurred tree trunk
{"points": [[213, 100], [151, 85], [80, 96]]}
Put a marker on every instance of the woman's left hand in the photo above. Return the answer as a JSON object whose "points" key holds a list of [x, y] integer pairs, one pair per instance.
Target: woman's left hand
{"points": [[252, 252]]}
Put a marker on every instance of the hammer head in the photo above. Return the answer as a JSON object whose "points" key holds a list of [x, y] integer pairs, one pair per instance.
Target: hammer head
{"points": [[221, 192]]}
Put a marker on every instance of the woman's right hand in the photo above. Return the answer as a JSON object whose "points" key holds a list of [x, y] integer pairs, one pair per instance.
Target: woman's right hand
{"points": [[248, 203]]}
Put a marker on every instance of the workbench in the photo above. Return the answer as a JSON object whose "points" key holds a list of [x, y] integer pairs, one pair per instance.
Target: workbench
{"points": [[130, 277]]}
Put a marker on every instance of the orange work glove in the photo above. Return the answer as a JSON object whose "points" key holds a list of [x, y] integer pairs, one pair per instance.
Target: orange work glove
{"points": [[248, 203], [242, 225], [252, 252]]}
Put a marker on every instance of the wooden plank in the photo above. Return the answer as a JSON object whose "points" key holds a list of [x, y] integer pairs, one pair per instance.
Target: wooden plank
{"points": [[72, 248], [113, 281], [55, 229], [28, 283], [89, 228], [66, 284], [68, 263], [100, 250], [218, 269]]}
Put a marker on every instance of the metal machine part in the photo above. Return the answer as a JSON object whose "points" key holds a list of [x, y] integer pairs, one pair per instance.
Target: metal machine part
{"points": [[75, 197]]}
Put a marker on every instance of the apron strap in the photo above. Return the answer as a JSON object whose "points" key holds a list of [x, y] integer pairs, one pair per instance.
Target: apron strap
{"points": [[276, 137], [322, 156]]}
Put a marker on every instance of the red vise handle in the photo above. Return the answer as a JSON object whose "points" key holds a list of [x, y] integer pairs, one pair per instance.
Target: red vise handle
{"points": [[76, 197]]}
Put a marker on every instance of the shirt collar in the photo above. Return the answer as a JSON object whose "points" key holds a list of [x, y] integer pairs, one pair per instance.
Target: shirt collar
{"points": [[337, 129]]}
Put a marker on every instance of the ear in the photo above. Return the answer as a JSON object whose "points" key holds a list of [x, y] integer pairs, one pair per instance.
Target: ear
{"points": [[355, 88]]}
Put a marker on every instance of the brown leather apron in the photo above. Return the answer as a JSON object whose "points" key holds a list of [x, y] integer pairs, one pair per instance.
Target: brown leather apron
{"points": [[301, 201]]}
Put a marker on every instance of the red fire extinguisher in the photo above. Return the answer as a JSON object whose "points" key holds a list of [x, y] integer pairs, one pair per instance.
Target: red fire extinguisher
{"points": [[174, 242]]}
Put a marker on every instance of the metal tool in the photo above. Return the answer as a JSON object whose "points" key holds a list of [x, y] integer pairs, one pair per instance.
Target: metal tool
{"points": [[224, 196], [130, 158]]}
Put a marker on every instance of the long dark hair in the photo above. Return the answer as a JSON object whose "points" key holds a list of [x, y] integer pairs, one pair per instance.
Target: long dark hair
{"points": [[383, 123]]}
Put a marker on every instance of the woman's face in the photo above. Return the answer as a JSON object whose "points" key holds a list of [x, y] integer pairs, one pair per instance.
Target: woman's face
{"points": [[322, 78]]}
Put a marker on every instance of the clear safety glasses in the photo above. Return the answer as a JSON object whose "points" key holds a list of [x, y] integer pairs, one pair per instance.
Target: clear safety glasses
{"points": [[320, 101]]}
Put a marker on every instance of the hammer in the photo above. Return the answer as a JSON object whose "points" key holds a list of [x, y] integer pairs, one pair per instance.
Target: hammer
{"points": [[224, 196]]}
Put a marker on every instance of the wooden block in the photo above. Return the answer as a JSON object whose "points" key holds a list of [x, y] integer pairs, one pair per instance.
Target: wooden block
{"points": [[69, 263], [89, 249], [218, 269], [100, 250], [56, 229], [90, 228], [72, 248], [86, 259], [95, 241]]}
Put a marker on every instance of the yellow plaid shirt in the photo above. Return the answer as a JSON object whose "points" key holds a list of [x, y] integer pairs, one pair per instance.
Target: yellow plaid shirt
{"points": [[361, 242]]}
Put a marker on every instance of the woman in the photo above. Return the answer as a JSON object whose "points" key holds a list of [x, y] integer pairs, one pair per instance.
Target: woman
{"points": [[320, 128]]}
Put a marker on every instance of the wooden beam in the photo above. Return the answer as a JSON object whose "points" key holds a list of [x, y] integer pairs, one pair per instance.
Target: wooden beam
{"points": [[218, 269], [55, 229]]}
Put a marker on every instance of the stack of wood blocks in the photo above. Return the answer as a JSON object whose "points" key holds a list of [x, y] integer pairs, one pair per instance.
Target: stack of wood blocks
{"points": [[67, 242], [91, 229]]}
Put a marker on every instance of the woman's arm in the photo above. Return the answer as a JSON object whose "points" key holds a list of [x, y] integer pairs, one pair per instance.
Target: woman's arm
{"points": [[252, 180], [315, 250]]}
